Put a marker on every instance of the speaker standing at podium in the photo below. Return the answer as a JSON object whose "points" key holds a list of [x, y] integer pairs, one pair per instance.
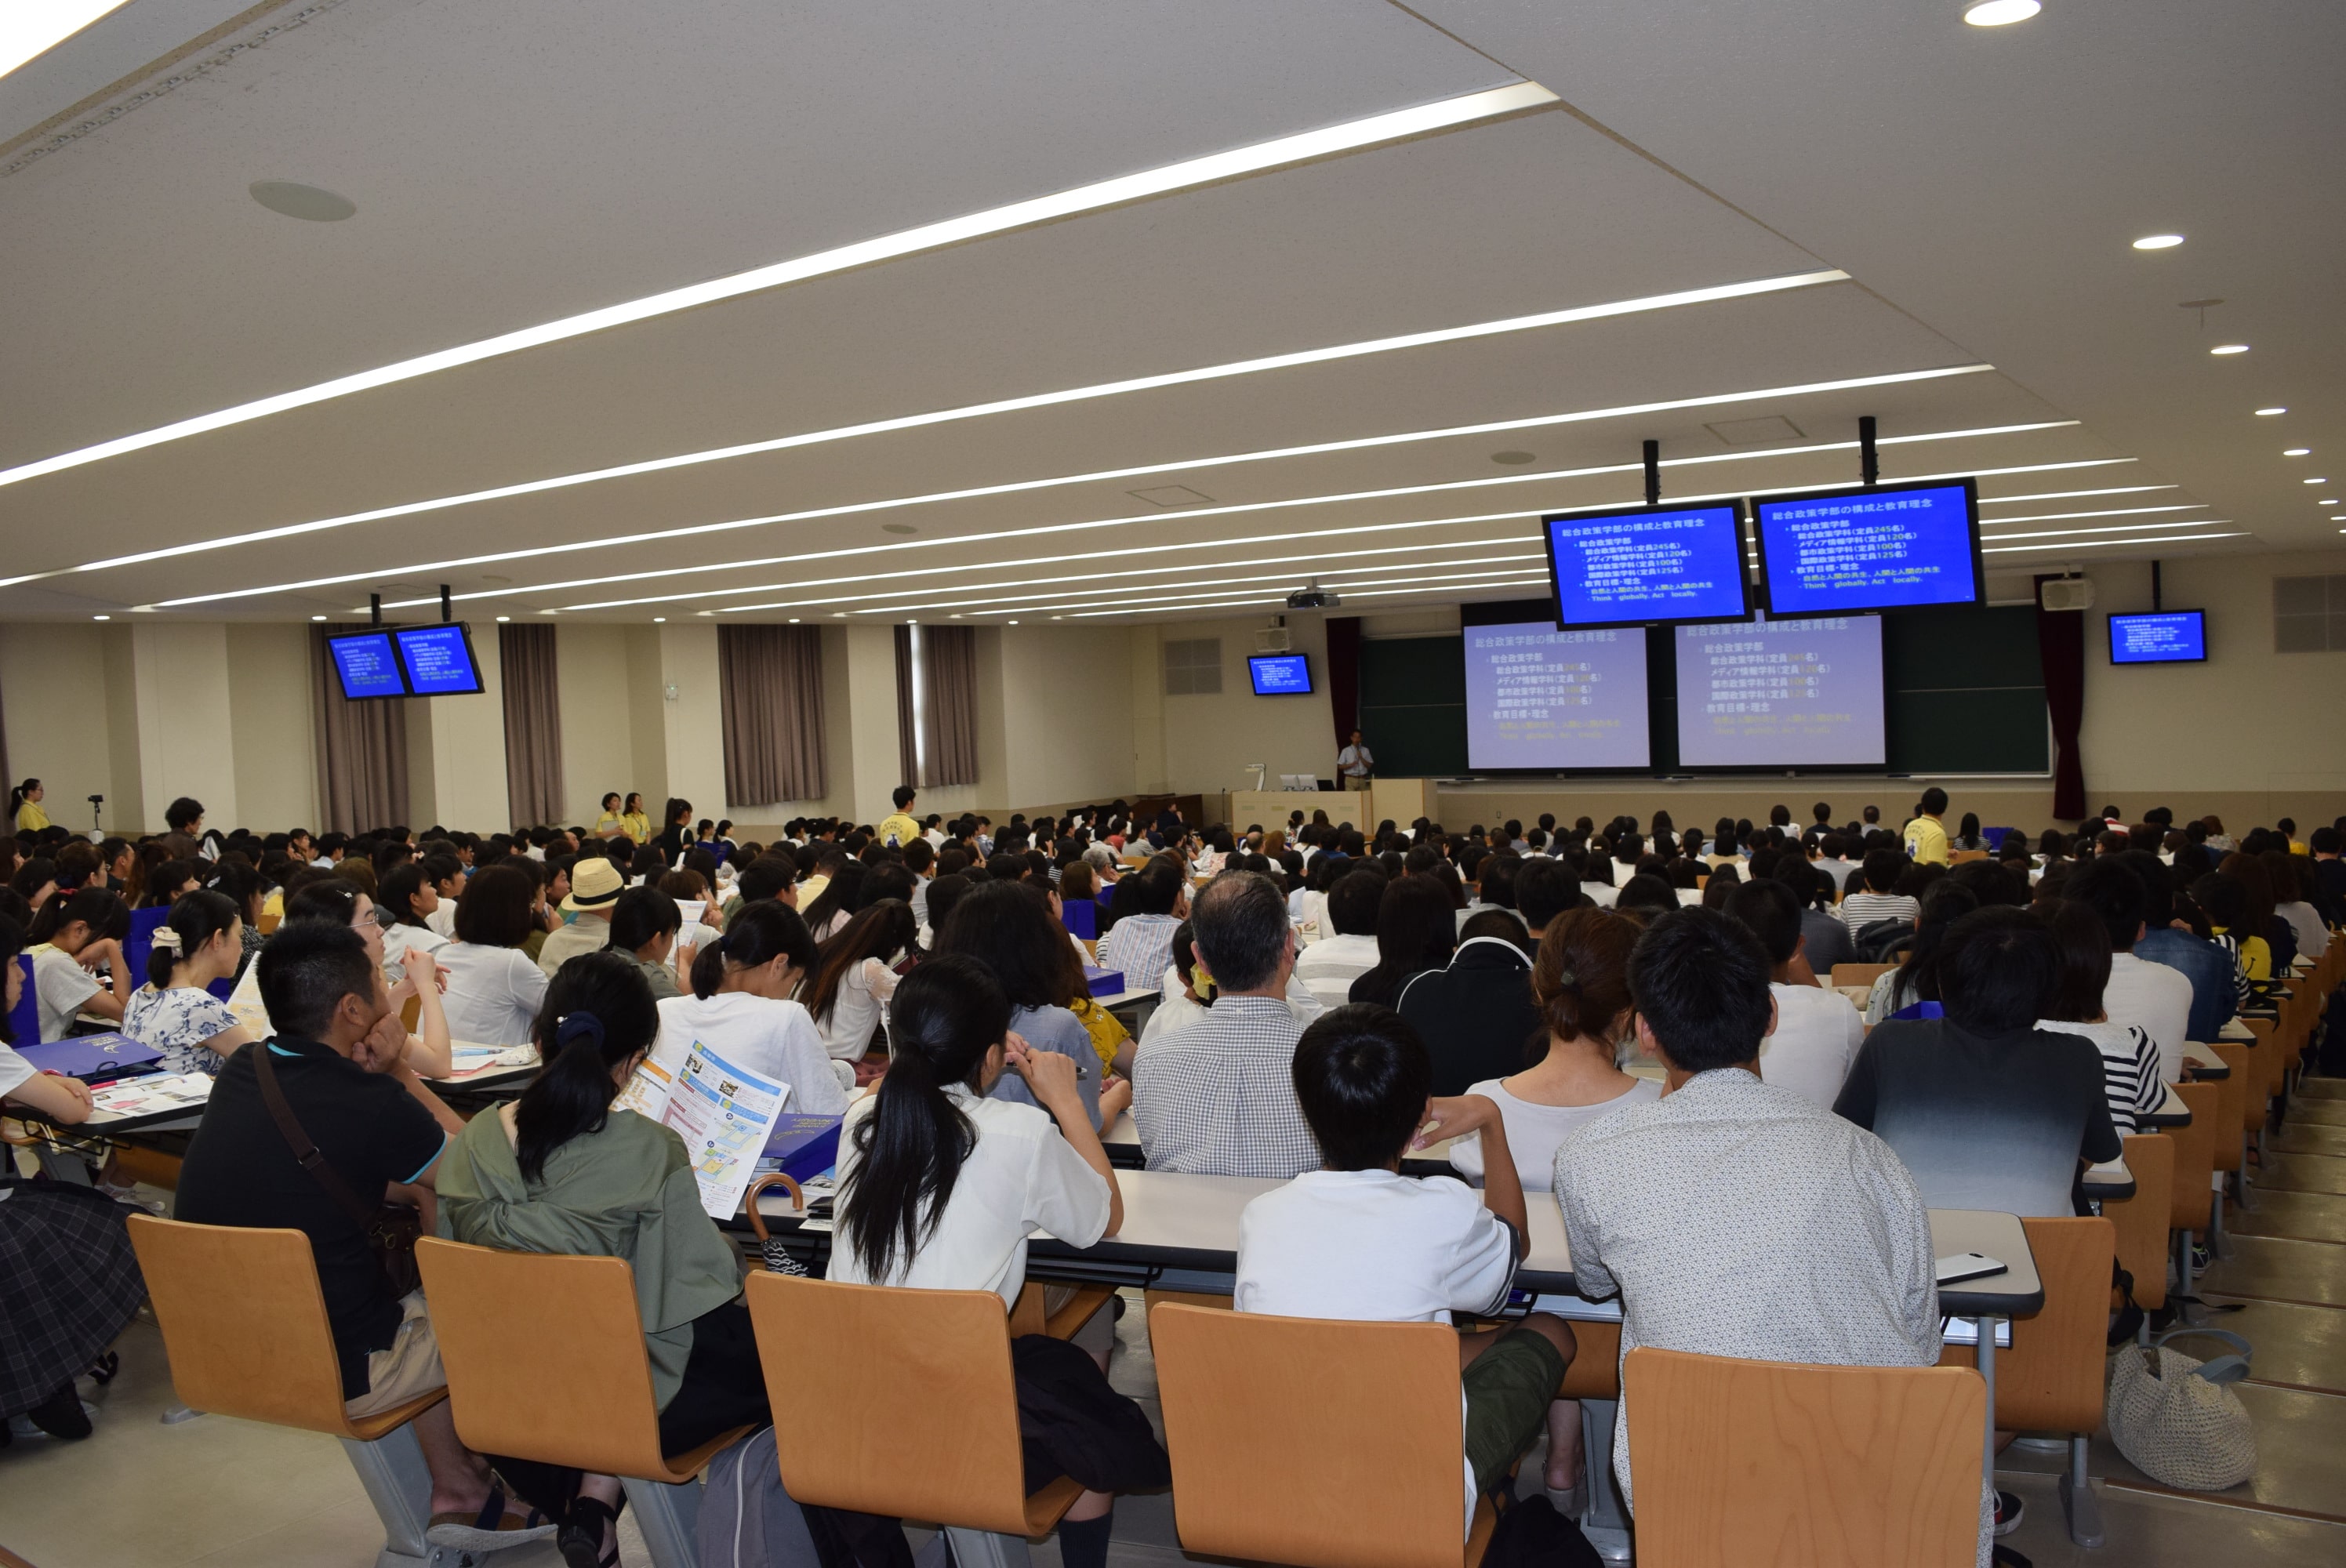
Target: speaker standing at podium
{"points": [[1354, 764]]}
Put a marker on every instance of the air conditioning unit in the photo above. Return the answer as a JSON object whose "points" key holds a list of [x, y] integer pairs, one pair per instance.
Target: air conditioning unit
{"points": [[2067, 593], [1271, 640]]}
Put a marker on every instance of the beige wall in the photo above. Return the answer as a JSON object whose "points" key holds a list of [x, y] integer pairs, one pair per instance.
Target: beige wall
{"points": [[590, 672], [186, 733], [272, 726], [54, 693], [1206, 744], [1067, 713]]}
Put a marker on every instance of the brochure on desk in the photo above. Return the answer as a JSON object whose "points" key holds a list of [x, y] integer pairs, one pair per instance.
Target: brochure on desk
{"points": [[146, 1096], [723, 1113]]}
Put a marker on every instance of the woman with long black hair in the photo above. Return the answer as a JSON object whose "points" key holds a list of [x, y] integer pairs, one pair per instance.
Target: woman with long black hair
{"points": [[940, 1186], [558, 1170]]}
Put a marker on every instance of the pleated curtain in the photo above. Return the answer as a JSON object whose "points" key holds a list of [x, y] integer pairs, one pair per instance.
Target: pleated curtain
{"points": [[534, 789], [770, 695], [362, 748]]}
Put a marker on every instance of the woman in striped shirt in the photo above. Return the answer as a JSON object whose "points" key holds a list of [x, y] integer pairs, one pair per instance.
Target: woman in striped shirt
{"points": [[2129, 1059]]}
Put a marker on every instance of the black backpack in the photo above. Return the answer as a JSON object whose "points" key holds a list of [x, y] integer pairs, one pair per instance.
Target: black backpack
{"points": [[1882, 940]]}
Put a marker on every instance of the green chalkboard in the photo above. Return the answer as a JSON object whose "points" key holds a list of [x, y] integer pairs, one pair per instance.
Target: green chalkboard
{"points": [[1964, 688], [1414, 705]]}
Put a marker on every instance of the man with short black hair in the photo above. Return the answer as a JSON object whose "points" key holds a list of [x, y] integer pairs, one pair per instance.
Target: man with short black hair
{"points": [[1987, 1110], [1328, 967], [335, 1060], [1139, 945], [1872, 900], [2158, 997], [1219, 1097], [899, 829], [1817, 1030], [1544, 888], [1926, 835], [1707, 1209]]}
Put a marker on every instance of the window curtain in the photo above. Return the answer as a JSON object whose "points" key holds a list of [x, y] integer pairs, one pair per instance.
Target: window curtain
{"points": [[362, 748], [2061, 645], [908, 746], [534, 792], [1344, 676], [951, 703], [770, 693]]}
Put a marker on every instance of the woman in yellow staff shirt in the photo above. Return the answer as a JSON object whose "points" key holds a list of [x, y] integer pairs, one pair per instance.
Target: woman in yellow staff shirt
{"points": [[24, 806], [636, 821], [610, 821]]}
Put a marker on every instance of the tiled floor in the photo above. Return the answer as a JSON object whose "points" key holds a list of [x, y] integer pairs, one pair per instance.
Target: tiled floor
{"points": [[214, 1490]]}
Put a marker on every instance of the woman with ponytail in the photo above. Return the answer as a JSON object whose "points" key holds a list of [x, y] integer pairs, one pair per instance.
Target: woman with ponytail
{"points": [[174, 1011], [740, 1008], [939, 1188], [25, 807], [559, 1170]]}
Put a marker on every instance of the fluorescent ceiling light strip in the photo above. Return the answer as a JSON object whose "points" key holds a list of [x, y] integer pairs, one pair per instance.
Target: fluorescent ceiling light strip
{"points": [[2112, 528], [1012, 405], [30, 28], [1176, 573], [1201, 595], [1378, 594], [1186, 567], [2104, 512], [2098, 543], [2071, 495], [1326, 142], [1022, 486]]}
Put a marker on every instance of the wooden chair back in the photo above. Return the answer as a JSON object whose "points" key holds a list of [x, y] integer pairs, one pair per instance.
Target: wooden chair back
{"points": [[2195, 1158], [1957, 857], [572, 1385], [1299, 1440], [921, 1422], [2231, 1098], [2051, 1379], [1737, 1462], [1860, 973], [2144, 1219], [245, 1326]]}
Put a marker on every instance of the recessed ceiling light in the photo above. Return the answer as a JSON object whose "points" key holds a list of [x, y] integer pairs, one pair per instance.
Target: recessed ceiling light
{"points": [[2000, 12], [898, 528], [2229, 348], [101, 617], [1512, 459], [794, 620], [2317, 481], [1190, 173], [2297, 451], [28, 30], [288, 199], [2159, 242], [500, 618], [2327, 500], [2341, 531], [322, 617], [659, 620], [2269, 412]]}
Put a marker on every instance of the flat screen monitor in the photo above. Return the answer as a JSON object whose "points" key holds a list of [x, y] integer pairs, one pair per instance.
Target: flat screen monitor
{"points": [[1888, 548], [1280, 675], [1648, 565], [366, 666], [2165, 636], [1542, 699], [1771, 693], [439, 660]]}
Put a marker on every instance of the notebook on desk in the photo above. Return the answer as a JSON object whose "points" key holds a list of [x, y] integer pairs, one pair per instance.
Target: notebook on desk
{"points": [[91, 1057]]}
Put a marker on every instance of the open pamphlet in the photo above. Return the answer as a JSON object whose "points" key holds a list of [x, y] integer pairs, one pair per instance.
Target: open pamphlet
{"points": [[146, 1096], [723, 1113]]}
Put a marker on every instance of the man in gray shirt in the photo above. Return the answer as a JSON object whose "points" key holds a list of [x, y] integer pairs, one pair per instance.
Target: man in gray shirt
{"points": [[1734, 1217]]}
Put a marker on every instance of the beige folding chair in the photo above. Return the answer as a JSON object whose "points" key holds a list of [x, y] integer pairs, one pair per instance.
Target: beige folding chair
{"points": [[906, 1406], [1323, 1444], [1742, 1462], [571, 1386], [244, 1324]]}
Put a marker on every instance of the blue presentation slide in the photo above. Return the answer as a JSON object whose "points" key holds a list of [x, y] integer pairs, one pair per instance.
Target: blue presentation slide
{"points": [[1654, 564], [1869, 550], [439, 660], [2171, 636], [1542, 698], [1280, 675], [367, 666], [1782, 694]]}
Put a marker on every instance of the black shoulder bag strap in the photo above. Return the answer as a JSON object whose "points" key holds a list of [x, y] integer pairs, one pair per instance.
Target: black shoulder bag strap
{"points": [[305, 1152]]}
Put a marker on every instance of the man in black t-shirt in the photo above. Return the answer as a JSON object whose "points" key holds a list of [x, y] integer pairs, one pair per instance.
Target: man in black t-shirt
{"points": [[1987, 1110], [336, 1058]]}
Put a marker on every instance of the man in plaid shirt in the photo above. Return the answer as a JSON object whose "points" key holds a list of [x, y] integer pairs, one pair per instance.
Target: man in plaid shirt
{"points": [[1219, 1097]]}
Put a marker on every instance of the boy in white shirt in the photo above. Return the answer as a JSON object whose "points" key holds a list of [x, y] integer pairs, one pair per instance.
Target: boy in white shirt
{"points": [[1358, 1241], [1817, 1030]]}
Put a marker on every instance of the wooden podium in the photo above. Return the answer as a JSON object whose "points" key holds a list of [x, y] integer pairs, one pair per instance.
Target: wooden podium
{"points": [[1403, 800]]}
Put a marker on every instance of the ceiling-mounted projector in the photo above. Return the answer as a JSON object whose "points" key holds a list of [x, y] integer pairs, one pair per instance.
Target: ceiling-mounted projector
{"points": [[1315, 598]]}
